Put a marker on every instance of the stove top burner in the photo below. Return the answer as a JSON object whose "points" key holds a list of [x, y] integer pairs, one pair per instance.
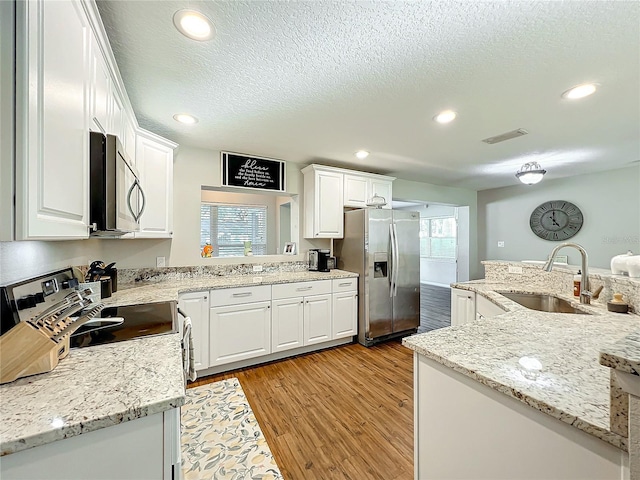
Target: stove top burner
{"points": [[139, 321]]}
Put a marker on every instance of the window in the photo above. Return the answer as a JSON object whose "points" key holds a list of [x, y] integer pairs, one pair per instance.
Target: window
{"points": [[438, 237], [226, 227]]}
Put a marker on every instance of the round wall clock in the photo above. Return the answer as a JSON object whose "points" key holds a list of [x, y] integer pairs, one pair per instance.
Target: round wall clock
{"points": [[556, 220]]}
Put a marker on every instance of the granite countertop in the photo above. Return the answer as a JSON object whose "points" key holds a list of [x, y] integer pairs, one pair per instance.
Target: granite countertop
{"points": [[571, 386], [623, 355], [169, 288], [92, 388]]}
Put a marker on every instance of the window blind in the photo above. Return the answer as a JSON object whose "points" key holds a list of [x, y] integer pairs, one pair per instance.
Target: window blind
{"points": [[228, 226]]}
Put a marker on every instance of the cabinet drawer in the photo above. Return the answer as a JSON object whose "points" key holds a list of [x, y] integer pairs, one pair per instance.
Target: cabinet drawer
{"points": [[301, 289], [345, 285], [240, 295]]}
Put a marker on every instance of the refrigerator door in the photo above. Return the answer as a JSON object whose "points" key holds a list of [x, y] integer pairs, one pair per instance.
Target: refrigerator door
{"points": [[406, 271], [378, 299]]}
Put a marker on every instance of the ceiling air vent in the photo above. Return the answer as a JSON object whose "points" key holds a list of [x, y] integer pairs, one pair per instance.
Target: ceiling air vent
{"points": [[505, 136]]}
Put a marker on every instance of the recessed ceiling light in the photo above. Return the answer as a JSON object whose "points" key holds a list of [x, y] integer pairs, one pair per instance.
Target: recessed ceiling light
{"points": [[185, 118], [362, 154], [193, 24], [446, 116], [580, 91]]}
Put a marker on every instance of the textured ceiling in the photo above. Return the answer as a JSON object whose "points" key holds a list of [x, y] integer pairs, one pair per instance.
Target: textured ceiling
{"points": [[315, 81]]}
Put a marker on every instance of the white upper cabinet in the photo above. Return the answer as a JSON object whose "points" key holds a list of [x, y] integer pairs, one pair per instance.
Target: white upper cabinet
{"points": [[154, 160], [323, 202], [116, 115], [100, 91], [129, 137], [359, 188], [381, 188], [52, 120], [356, 190], [67, 84]]}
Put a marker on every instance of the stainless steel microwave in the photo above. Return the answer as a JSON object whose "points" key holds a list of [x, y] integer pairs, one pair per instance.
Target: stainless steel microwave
{"points": [[116, 197]]}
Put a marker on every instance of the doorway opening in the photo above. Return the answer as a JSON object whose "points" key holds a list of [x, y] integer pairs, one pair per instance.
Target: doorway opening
{"points": [[444, 257]]}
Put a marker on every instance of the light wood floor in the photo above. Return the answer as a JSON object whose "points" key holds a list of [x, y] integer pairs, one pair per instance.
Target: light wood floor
{"points": [[342, 413]]}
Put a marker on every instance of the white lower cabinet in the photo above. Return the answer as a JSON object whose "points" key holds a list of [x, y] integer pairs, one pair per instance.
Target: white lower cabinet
{"points": [[344, 305], [317, 319], [486, 308], [240, 328], [312, 321], [287, 324], [463, 306], [235, 325], [196, 307]]}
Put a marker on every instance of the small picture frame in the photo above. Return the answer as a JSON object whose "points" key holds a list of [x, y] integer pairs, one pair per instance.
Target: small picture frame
{"points": [[290, 248]]}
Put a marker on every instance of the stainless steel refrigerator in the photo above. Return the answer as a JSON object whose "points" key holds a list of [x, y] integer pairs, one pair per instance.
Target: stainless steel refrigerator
{"points": [[383, 247]]}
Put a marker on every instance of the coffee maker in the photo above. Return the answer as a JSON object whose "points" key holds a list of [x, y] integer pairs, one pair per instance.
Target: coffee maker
{"points": [[318, 260]]}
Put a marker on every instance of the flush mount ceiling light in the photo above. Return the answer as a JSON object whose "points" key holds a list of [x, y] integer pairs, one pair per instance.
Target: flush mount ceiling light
{"points": [[445, 116], [362, 154], [185, 118], [580, 91], [530, 173], [193, 24]]}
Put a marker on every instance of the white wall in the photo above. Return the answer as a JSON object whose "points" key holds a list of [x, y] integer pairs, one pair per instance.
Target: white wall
{"points": [[610, 203], [408, 190]]}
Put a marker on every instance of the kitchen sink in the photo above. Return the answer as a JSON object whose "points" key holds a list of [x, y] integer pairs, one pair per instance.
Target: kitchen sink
{"points": [[542, 303]]}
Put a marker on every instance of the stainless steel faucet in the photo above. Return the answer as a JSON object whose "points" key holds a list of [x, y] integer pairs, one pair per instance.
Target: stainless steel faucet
{"points": [[585, 294]]}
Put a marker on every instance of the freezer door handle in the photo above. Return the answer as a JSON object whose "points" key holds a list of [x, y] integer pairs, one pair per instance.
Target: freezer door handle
{"points": [[396, 260], [392, 265]]}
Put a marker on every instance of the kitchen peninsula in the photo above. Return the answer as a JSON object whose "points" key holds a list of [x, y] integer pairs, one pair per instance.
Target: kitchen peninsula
{"points": [[520, 394], [122, 398]]}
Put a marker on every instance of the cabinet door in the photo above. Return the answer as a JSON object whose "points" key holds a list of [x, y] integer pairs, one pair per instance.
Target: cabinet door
{"points": [[52, 120], [239, 332], [129, 141], [317, 319], [287, 324], [329, 205], [100, 89], [196, 307], [355, 191], [116, 113], [463, 306], [486, 308], [345, 315], [382, 188], [155, 164]]}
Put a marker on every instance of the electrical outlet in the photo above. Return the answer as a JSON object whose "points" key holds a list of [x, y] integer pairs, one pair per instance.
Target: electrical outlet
{"points": [[501, 244], [160, 262], [257, 268], [515, 269]]}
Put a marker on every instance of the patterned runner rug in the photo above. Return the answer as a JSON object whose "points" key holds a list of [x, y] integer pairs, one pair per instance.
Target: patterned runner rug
{"points": [[221, 438]]}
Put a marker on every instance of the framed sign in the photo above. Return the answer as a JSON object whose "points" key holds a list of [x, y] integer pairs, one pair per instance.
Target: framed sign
{"points": [[252, 172]]}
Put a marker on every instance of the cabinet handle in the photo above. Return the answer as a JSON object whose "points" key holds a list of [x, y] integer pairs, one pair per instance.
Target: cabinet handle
{"points": [[205, 298], [302, 289], [345, 284], [244, 294]]}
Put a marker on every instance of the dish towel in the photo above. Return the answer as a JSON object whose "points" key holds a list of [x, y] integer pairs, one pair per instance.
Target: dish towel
{"points": [[188, 356]]}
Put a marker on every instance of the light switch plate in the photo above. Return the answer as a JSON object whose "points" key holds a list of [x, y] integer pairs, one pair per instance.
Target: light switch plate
{"points": [[160, 261], [515, 269], [257, 268]]}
